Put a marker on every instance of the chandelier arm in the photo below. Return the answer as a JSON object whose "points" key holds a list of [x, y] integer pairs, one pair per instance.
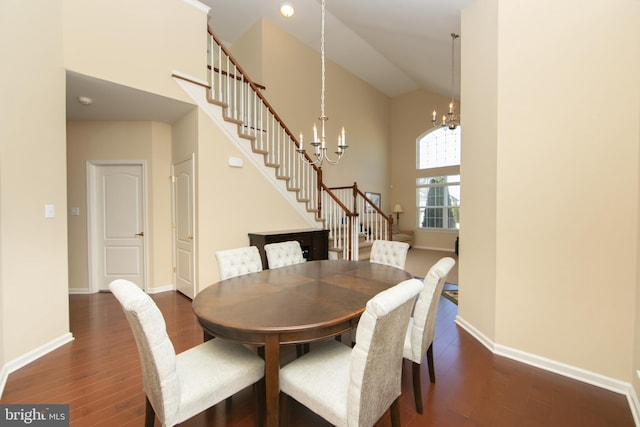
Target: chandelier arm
{"points": [[330, 161]]}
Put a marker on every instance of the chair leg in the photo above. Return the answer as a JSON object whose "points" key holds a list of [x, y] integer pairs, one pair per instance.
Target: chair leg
{"points": [[395, 413], [284, 410], [260, 392], [149, 414], [432, 371], [417, 388], [302, 349]]}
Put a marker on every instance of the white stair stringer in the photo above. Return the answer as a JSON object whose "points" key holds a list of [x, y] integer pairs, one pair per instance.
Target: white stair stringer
{"points": [[199, 94]]}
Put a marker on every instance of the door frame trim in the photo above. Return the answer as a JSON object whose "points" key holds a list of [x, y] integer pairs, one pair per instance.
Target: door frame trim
{"points": [[192, 158], [91, 167]]}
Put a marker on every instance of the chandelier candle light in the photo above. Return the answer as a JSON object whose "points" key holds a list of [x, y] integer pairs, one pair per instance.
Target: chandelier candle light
{"points": [[452, 119], [320, 149]]}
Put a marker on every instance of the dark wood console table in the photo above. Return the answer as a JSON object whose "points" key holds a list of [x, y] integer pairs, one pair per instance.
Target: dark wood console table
{"points": [[314, 242]]}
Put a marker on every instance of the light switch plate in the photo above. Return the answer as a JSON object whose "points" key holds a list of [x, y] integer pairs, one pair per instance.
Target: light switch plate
{"points": [[49, 211], [75, 211]]}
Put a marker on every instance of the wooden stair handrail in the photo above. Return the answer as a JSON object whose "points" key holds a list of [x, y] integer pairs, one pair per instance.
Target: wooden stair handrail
{"points": [[233, 76], [256, 89], [357, 192]]}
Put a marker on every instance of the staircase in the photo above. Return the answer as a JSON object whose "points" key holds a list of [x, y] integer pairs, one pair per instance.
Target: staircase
{"points": [[352, 219]]}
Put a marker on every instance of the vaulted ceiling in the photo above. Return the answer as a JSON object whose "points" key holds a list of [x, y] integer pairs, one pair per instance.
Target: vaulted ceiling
{"points": [[395, 45]]}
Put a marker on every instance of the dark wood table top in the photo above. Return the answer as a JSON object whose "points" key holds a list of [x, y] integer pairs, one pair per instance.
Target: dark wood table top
{"points": [[302, 302]]}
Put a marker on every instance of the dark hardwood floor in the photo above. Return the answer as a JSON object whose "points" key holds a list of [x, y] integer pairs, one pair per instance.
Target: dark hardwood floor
{"points": [[98, 375]]}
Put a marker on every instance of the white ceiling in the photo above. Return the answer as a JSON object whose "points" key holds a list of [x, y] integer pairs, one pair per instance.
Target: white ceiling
{"points": [[114, 102], [395, 45]]}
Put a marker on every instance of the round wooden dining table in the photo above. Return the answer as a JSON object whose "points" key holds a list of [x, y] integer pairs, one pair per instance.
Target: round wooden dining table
{"points": [[295, 304]]}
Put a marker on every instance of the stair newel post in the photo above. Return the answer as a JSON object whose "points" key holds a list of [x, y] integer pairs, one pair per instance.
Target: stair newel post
{"points": [[355, 197], [319, 192]]}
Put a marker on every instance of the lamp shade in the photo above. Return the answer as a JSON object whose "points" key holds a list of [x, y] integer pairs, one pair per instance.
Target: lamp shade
{"points": [[397, 208]]}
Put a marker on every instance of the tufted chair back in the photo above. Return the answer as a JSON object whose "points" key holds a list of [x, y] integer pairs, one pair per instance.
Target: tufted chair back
{"points": [[282, 254], [356, 386], [423, 321], [422, 325], [389, 253], [376, 360], [178, 386], [238, 261], [157, 355]]}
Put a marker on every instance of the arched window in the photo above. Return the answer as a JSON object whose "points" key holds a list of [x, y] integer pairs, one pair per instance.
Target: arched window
{"points": [[439, 148], [438, 183]]}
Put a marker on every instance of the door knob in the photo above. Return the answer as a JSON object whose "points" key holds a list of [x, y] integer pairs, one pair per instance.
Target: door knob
{"points": [[140, 234], [190, 236]]}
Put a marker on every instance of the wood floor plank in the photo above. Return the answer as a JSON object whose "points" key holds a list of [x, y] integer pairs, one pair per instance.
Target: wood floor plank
{"points": [[98, 375]]}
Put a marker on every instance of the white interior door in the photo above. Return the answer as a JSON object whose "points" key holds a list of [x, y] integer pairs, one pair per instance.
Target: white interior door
{"points": [[183, 219], [116, 224]]}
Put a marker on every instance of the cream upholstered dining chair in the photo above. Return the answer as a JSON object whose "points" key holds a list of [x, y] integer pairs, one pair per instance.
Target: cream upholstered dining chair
{"points": [[238, 261], [420, 333], [389, 252], [281, 254], [179, 386], [355, 386]]}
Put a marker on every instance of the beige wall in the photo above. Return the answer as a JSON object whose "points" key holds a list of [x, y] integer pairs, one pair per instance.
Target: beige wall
{"points": [[121, 141], [232, 202], [530, 280], [635, 371], [567, 178], [290, 70], [33, 259], [410, 119], [136, 43], [478, 167], [248, 51]]}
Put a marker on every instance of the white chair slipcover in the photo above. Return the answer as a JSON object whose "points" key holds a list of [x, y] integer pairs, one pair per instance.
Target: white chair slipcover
{"points": [[179, 386], [355, 386], [238, 261], [282, 254], [389, 253], [421, 330]]}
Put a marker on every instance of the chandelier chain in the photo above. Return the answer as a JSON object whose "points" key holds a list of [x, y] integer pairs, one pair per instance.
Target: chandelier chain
{"points": [[319, 142], [453, 69], [452, 118], [322, 60]]}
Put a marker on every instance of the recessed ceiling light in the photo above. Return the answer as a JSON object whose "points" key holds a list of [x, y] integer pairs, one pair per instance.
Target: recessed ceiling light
{"points": [[287, 10], [85, 100]]}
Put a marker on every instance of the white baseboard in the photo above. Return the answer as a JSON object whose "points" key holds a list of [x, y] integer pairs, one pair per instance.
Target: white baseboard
{"points": [[154, 290], [634, 404], [159, 289], [431, 248], [79, 291], [559, 368], [25, 359]]}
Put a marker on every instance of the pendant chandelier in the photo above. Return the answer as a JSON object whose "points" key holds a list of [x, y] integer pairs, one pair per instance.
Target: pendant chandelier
{"points": [[319, 141], [451, 119]]}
